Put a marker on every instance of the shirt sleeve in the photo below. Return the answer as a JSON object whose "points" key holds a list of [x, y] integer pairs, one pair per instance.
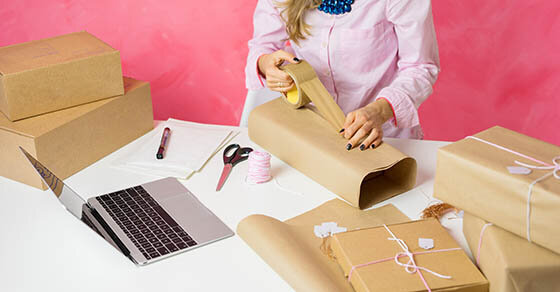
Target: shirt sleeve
{"points": [[269, 35], [418, 59]]}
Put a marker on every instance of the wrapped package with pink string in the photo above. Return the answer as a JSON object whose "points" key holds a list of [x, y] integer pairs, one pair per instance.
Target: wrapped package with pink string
{"points": [[510, 262], [394, 258], [506, 178]]}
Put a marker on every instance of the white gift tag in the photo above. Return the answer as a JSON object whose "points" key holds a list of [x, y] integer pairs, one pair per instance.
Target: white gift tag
{"points": [[426, 243], [327, 229], [518, 170]]}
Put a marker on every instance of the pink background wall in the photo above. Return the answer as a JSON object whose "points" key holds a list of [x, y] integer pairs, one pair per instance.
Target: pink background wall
{"points": [[500, 61]]}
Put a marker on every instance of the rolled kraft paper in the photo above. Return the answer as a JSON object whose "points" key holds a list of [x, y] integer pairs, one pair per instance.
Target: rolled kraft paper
{"points": [[302, 139], [308, 88], [292, 250]]}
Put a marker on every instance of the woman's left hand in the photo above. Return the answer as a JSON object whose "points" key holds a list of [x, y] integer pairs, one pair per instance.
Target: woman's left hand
{"points": [[364, 124]]}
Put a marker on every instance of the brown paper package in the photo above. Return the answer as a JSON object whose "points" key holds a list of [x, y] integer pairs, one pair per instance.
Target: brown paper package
{"points": [[362, 246], [293, 251], [56, 73], [473, 176], [71, 139], [305, 141], [511, 263]]}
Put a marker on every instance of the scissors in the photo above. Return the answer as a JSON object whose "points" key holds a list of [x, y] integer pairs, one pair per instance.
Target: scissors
{"points": [[230, 160]]}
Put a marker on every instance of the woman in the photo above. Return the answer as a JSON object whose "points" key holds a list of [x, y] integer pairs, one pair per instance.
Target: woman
{"points": [[377, 58]]}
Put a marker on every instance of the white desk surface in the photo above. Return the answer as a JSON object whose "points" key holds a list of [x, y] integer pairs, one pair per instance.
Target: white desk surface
{"points": [[45, 248]]}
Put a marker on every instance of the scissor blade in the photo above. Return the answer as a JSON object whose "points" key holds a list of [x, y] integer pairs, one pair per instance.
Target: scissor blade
{"points": [[225, 174]]}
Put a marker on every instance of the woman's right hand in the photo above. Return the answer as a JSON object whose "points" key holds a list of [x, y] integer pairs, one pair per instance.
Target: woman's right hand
{"points": [[276, 79]]}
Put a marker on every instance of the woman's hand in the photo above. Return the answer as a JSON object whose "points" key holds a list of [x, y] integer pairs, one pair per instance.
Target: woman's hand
{"points": [[276, 79], [364, 124]]}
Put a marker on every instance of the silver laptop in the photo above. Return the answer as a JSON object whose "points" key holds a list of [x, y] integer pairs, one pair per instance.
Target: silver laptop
{"points": [[146, 223]]}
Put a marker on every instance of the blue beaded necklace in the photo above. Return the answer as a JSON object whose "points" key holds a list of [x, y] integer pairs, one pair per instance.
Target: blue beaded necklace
{"points": [[336, 7]]}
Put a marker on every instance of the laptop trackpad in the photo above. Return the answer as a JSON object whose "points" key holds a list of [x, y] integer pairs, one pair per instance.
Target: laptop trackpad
{"points": [[196, 219], [199, 222]]}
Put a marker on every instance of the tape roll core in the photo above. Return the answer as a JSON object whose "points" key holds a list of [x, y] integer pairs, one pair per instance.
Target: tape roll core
{"points": [[295, 97]]}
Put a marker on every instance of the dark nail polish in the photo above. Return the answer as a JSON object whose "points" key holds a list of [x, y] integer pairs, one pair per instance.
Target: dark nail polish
{"points": [[342, 130], [296, 59], [362, 147], [372, 146], [348, 146]]}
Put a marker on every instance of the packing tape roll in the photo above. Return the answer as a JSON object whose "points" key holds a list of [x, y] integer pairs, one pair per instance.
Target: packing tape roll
{"points": [[308, 88]]}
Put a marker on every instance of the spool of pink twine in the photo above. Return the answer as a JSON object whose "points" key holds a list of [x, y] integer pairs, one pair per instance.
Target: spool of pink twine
{"points": [[259, 167]]}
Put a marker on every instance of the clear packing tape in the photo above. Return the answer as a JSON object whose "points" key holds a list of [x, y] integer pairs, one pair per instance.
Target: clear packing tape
{"points": [[308, 89], [302, 135]]}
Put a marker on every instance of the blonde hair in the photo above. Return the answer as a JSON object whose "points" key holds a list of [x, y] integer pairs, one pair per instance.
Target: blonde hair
{"points": [[293, 12]]}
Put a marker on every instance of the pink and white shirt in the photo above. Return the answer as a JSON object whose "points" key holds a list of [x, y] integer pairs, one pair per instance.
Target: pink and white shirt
{"points": [[381, 49]]}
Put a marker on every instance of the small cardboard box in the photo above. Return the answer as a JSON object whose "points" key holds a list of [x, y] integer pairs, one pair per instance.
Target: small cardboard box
{"points": [[473, 174], [71, 139], [56, 73], [511, 263], [372, 253]]}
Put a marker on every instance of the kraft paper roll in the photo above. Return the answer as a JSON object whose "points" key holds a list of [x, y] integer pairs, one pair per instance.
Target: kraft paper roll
{"points": [[292, 250], [308, 88], [305, 140]]}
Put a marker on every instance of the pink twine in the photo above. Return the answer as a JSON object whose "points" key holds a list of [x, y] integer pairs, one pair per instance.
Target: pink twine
{"points": [[259, 167], [480, 240], [509, 150], [410, 268]]}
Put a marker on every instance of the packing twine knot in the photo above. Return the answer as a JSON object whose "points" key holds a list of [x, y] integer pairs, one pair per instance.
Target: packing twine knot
{"points": [[411, 267], [555, 167]]}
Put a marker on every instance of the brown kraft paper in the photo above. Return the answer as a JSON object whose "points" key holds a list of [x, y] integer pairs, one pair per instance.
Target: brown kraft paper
{"points": [[364, 246], [511, 263], [305, 141], [473, 176], [293, 251]]}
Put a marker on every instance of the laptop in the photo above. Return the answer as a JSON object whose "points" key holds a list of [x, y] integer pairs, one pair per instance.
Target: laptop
{"points": [[148, 222]]}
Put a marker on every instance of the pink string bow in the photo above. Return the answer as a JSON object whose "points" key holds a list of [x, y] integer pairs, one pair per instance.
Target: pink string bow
{"points": [[410, 267]]}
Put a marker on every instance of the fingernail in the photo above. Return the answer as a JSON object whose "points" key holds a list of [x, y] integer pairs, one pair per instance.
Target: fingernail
{"points": [[362, 147], [342, 130], [296, 59], [348, 146], [372, 146]]}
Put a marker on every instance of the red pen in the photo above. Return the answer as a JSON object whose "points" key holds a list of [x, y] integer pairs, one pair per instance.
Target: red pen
{"points": [[163, 143]]}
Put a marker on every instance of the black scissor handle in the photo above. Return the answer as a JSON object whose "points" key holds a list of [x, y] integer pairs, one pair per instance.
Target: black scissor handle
{"points": [[241, 154], [238, 155], [229, 156]]}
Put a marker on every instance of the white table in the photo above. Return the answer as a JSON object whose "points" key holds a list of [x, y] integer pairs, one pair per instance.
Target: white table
{"points": [[44, 248]]}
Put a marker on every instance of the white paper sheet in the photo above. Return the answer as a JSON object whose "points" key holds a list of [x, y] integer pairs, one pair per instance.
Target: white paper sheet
{"points": [[189, 147]]}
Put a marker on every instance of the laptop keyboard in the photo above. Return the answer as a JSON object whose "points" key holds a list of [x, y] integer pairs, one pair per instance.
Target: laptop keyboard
{"points": [[145, 222]]}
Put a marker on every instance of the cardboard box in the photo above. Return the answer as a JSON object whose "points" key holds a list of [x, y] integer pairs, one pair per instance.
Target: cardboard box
{"points": [[511, 263], [364, 246], [71, 139], [473, 175], [56, 73], [306, 141]]}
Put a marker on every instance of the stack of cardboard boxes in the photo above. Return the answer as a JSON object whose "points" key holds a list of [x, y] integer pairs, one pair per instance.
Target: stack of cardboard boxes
{"points": [[509, 186], [65, 101]]}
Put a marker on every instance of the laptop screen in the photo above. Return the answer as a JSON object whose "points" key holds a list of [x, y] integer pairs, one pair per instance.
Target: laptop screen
{"points": [[70, 199]]}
